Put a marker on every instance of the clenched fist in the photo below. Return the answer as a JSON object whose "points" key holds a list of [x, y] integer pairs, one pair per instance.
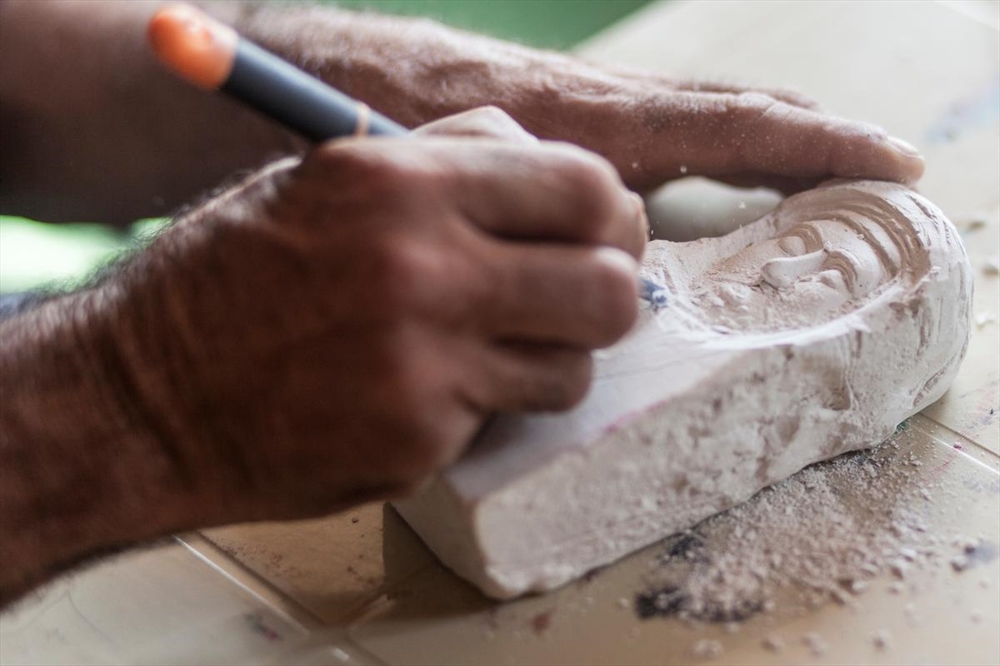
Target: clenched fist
{"points": [[340, 327], [334, 330]]}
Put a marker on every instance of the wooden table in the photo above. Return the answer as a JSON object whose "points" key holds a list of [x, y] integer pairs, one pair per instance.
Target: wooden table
{"points": [[360, 587]]}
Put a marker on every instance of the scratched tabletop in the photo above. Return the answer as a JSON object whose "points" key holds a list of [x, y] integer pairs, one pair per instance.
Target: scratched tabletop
{"points": [[360, 588]]}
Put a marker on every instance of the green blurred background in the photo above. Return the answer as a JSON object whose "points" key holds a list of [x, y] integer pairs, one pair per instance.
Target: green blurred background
{"points": [[554, 24], [33, 254]]}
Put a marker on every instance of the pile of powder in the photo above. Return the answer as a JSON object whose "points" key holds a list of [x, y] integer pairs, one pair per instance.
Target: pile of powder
{"points": [[821, 535]]}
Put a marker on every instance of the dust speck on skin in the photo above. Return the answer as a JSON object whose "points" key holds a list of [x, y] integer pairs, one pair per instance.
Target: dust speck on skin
{"points": [[541, 622]]}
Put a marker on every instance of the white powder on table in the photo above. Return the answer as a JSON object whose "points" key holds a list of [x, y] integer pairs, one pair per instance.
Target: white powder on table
{"points": [[826, 533]]}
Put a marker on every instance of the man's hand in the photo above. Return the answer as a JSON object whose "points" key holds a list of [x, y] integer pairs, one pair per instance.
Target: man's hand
{"points": [[655, 129], [112, 136], [344, 326], [334, 330], [651, 127]]}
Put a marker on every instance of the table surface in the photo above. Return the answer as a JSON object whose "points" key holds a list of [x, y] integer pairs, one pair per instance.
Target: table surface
{"points": [[359, 587]]}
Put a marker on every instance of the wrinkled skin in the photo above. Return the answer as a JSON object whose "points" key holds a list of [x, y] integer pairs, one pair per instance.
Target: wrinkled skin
{"points": [[334, 330], [340, 325]]}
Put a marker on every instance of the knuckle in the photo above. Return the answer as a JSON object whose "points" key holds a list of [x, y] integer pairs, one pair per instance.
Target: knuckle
{"points": [[615, 304], [350, 167], [485, 121], [494, 115], [796, 96], [748, 132], [569, 382], [591, 170], [599, 191], [552, 379], [338, 168], [753, 101], [748, 109], [343, 158], [399, 272], [498, 123], [858, 131], [790, 92], [637, 226]]}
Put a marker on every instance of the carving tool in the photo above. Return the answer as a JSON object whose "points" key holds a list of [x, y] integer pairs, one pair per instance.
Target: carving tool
{"points": [[212, 56]]}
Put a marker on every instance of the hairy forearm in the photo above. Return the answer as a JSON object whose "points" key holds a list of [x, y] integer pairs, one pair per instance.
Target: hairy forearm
{"points": [[81, 469], [418, 70], [414, 70]]}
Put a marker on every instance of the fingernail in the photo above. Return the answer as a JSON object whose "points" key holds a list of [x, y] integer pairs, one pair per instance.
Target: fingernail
{"points": [[639, 206], [904, 147], [637, 202], [618, 258]]}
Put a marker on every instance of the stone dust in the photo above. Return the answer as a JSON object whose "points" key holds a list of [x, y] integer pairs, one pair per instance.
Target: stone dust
{"points": [[825, 534]]}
